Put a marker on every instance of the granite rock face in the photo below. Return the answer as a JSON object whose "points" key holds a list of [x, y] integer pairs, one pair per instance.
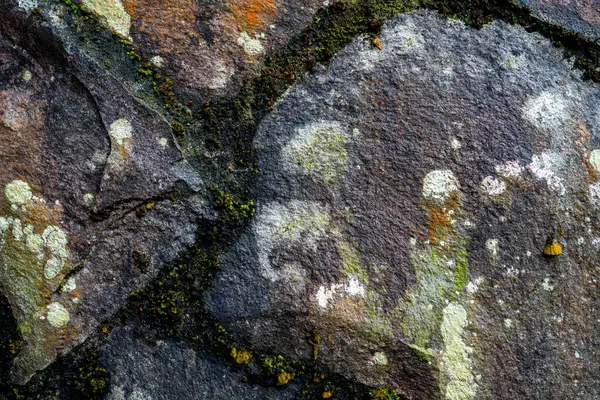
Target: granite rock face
{"points": [[417, 217], [406, 199]]}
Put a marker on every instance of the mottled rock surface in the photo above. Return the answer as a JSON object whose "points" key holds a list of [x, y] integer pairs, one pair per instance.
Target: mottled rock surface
{"points": [[578, 15], [260, 199], [406, 197]]}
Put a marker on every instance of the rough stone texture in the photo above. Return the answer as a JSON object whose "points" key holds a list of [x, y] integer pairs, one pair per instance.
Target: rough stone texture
{"points": [[406, 193], [404, 204], [61, 137], [166, 370], [577, 15], [203, 45]]}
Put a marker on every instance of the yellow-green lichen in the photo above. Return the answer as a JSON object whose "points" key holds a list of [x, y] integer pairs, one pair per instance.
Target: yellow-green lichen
{"points": [[350, 261], [18, 193], [114, 12], [441, 275], [57, 315], [318, 150], [455, 364]]}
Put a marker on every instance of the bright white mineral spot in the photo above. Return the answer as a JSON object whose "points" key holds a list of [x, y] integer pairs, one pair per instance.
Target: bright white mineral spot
{"points": [[492, 186], [439, 184]]}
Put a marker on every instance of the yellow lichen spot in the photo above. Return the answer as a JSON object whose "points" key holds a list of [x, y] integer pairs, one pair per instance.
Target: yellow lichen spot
{"points": [[284, 377], [327, 395], [240, 356], [150, 205], [377, 43], [552, 248]]}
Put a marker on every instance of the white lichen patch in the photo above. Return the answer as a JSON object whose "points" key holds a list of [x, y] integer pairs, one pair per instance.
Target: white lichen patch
{"points": [[114, 12], [120, 131], [17, 230], [492, 187], [508, 323], [158, 61], [324, 295], [89, 199], [509, 169], [473, 286], [18, 193], [34, 242], [53, 267], [493, 249], [379, 359], [56, 241], [547, 112], [26, 76], [70, 285], [121, 142], [403, 39], [455, 144], [438, 185], [280, 225], [594, 193], [548, 285], [252, 47], [594, 160], [548, 166], [317, 149], [456, 363], [57, 315], [354, 288]]}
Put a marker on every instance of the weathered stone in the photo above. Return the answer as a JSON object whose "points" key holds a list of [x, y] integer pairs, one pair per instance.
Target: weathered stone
{"points": [[170, 371], [577, 15], [406, 195], [80, 157]]}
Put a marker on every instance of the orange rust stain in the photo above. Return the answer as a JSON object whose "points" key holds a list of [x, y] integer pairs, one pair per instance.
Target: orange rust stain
{"points": [[591, 173], [253, 15], [439, 226]]}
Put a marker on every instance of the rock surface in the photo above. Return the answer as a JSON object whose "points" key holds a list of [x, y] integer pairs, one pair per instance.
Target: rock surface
{"points": [[197, 202], [577, 15], [406, 196]]}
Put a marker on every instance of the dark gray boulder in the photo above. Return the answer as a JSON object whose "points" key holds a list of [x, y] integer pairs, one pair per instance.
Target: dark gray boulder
{"points": [[406, 198]]}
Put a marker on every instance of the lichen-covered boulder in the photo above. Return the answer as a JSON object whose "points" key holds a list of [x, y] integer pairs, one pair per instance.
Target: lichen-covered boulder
{"points": [[427, 216], [91, 182]]}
